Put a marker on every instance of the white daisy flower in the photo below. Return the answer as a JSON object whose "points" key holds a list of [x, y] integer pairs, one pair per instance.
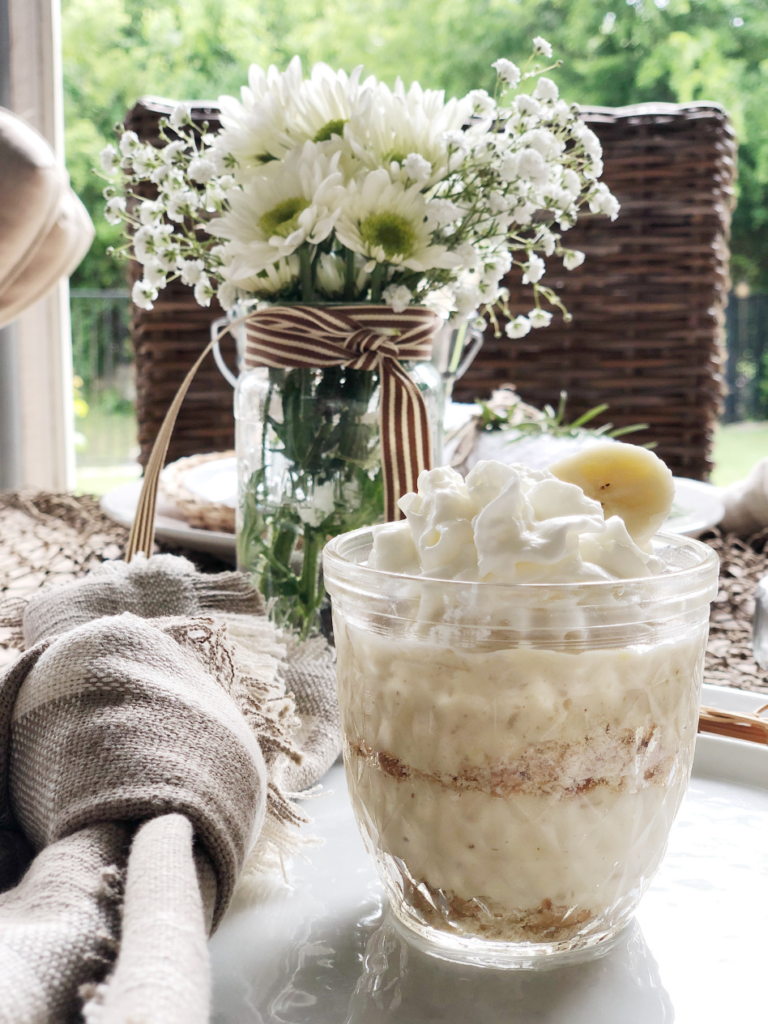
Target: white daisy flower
{"points": [[326, 102], [331, 274], [271, 216], [272, 279], [387, 223], [254, 131], [398, 125]]}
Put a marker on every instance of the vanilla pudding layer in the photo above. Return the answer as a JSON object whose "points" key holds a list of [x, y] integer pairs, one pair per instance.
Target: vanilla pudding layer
{"points": [[518, 793]]}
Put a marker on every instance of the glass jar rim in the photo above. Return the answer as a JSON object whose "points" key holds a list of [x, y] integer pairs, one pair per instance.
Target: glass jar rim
{"points": [[337, 563]]}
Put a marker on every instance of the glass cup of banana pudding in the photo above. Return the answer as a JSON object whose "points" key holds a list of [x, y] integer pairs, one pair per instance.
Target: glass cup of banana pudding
{"points": [[519, 669]]}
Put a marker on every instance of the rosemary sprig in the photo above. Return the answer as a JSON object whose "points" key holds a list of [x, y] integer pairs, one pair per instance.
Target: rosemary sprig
{"points": [[552, 422]]}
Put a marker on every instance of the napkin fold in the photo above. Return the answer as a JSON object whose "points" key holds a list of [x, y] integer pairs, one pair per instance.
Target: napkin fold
{"points": [[146, 743], [746, 503]]}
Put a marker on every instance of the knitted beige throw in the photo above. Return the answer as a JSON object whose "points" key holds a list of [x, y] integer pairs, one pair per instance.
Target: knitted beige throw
{"points": [[148, 745]]}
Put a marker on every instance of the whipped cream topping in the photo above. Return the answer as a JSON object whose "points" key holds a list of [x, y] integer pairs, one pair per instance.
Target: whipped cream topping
{"points": [[506, 524]]}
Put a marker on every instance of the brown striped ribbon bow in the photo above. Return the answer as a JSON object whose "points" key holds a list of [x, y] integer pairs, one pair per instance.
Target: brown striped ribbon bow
{"points": [[360, 337]]}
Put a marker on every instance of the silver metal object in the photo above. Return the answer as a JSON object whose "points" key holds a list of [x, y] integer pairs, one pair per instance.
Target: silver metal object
{"points": [[760, 624], [454, 348]]}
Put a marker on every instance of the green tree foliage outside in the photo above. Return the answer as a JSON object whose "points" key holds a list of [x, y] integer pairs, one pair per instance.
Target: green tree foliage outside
{"points": [[615, 52]]}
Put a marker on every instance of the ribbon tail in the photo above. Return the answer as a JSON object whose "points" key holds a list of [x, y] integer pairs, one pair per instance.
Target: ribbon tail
{"points": [[406, 447]]}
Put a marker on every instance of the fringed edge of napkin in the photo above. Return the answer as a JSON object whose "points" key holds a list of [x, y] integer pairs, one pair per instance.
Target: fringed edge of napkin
{"points": [[11, 617], [254, 681]]}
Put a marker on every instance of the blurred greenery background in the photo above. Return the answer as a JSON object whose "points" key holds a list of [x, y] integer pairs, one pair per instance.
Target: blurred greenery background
{"points": [[614, 52]]}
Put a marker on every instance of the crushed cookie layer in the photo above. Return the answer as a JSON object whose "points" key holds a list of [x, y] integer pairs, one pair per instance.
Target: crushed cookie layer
{"points": [[621, 759], [548, 922]]}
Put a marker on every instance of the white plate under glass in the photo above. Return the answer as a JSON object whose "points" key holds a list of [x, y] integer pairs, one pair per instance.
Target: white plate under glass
{"points": [[326, 952]]}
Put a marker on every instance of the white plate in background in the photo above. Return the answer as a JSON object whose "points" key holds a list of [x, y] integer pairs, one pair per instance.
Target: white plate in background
{"points": [[698, 506], [214, 481], [121, 504]]}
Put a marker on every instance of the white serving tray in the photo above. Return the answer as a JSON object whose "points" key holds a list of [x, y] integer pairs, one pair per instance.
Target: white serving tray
{"points": [[325, 953]]}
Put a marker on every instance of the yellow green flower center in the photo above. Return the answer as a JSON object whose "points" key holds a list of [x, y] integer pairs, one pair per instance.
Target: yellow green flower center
{"points": [[283, 219], [395, 156], [329, 129], [389, 231]]}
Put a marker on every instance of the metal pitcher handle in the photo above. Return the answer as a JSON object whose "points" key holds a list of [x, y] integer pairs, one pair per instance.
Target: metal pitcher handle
{"points": [[469, 352], [226, 373]]}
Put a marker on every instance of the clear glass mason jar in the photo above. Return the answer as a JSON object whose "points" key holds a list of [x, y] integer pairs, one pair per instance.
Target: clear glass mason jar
{"points": [[516, 755], [309, 468]]}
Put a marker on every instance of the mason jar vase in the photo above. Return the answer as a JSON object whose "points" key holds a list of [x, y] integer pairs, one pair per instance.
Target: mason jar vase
{"points": [[309, 468]]}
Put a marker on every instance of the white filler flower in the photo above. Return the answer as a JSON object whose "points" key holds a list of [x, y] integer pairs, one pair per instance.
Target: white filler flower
{"points": [[507, 72], [539, 318], [518, 328]]}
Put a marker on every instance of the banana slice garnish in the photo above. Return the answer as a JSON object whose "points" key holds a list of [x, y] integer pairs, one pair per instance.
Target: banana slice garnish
{"points": [[628, 481]]}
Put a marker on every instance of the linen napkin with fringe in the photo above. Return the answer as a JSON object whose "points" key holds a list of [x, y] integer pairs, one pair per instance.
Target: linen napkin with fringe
{"points": [[152, 738]]}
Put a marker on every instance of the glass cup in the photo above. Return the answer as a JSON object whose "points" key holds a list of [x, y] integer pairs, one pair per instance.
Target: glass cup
{"points": [[516, 754]]}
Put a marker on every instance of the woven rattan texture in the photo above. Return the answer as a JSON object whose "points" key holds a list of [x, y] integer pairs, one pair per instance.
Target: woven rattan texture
{"points": [[168, 339], [647, 304]]}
